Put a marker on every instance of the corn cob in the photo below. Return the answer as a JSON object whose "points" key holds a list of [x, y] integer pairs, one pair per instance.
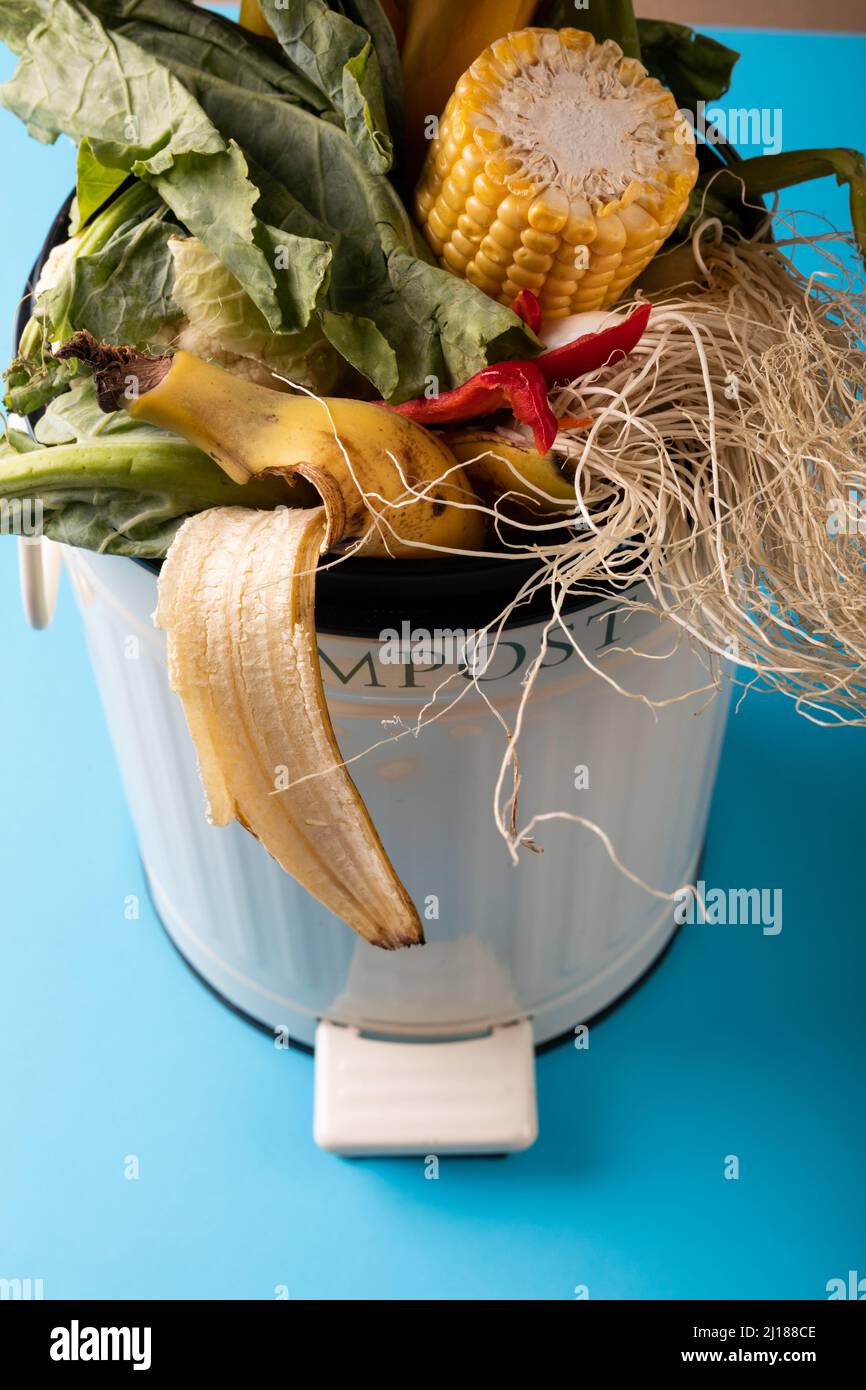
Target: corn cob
{"points": [[560, 167]]}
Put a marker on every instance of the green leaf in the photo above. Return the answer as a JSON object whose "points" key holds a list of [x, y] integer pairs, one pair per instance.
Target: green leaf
{"points": [[115, 277], [34, 378], [95, 184], [441, 312], [75, 418], [360, 342], [369, 15], [213, 197], [280, 208], [17, 18], [177, 32], [225, 323], [604, 19], [122, 294], [302, 269], [15, 441], [141, 525], [691, 65], [35, 375], [339, 59], [76, 79]]}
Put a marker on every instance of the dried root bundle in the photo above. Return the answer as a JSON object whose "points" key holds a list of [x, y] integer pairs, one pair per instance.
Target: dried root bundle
{"points": [[726, 464]]}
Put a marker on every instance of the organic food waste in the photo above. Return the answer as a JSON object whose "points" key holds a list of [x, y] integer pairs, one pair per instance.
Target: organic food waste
{"points": [[484, 298]]}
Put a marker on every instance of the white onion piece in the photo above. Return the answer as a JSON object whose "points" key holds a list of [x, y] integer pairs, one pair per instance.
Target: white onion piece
{"points": [[557, 332]]}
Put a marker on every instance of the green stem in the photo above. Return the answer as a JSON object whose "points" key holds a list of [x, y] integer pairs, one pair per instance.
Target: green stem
{"points": [[770, 173], [137, 466]]}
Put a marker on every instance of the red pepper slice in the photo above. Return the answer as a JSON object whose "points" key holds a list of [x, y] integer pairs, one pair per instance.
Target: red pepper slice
{"points": [[526, 306], [520, 385], [524, 385], [594, 350]]}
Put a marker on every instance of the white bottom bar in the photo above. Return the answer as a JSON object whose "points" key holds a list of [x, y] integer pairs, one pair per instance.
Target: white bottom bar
{"points": [[476, 1096]]}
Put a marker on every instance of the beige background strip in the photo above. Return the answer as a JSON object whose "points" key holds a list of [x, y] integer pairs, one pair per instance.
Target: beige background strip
{"points": [[848, 15]]}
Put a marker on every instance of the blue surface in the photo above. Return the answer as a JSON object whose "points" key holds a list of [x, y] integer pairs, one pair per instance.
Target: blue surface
{"points": [[739, 1044]]}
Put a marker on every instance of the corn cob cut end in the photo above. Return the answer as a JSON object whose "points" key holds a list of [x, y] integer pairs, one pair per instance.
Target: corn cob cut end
{"points": [[559, 166]]}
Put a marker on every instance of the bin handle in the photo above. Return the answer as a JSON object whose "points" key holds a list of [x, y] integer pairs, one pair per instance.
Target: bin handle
{"points": [[39, 574]]}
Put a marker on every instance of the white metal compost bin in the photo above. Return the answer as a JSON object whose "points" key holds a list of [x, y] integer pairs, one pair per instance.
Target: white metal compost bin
{"points": [[429, 1050]]}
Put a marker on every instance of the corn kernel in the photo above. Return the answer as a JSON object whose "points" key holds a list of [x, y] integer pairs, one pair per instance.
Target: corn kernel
{"points": [[470, 228], [542, 242], [462, 244], [453, 258], [512, 211], [440, 228], [549, 212], [525, 279], [482, 281], [532, 261]]}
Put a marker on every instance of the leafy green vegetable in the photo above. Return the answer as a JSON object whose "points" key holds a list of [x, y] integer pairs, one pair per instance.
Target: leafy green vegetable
{"points": [[34, 376], [120, 291], [223, 322], [77, 78], [62, 294], [17, 440], [111, 484], [214, 198], [691, 65], [369, 15], [123, 294], [339, 59], [396, 318], [75, 418], [604, 19], [328, 241]]}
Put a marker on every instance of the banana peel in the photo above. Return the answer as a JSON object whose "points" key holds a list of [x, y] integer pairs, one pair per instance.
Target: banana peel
{"points": [[518, 480], [236, 599]]}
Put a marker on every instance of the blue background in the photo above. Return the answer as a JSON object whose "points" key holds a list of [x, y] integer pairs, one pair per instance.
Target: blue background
{"points": [[739, 1044]]}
